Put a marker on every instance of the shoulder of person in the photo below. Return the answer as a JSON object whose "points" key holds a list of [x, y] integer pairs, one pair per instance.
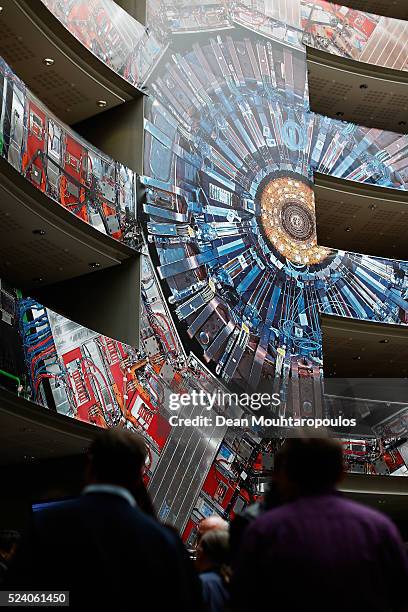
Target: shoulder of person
{"points": [[153, 528], [371, 516], [210, 577], [54, 513]]}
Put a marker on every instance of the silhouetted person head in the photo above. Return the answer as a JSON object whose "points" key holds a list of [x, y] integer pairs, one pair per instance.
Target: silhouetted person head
{"points": [[9, 540], [117, 457], [309, 466], [213, 552]]}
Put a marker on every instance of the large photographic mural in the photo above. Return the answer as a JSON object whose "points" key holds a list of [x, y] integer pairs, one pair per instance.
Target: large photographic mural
{"points": [[230, 151], [82, 374], [69, 170], [110, 33], [132, 50], [233, 280], [360, 36]]}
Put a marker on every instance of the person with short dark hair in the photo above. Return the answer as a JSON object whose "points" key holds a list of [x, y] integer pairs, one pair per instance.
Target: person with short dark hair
{"points": [[308, 466], [102, 547], [319, 550], [212, 564], [116, 459], [9, 539]]}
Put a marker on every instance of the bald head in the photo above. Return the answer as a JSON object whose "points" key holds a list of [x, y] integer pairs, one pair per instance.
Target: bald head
{"points": [[211, 523]]}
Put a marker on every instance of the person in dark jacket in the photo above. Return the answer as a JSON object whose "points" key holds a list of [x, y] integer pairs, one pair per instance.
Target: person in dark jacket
{"points": [[212, 564], [102, 547]]}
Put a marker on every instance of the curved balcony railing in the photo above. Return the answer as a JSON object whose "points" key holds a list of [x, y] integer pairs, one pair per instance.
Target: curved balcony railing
{"points": [[61, 164]]}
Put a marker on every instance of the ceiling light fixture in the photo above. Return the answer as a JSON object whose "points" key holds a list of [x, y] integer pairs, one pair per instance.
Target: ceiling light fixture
{"points": [[363, 86], [101, 103], [347, 229], [39, 232], [94, 264], [48, 61]]}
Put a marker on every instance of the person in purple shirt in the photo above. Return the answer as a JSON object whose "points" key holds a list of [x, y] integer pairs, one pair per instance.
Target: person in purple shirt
{"points": [[319, 550]]}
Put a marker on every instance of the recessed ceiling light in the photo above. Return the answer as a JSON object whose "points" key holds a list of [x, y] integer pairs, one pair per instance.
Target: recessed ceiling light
{"points": [[48, 61], [39, 232], [94, 264], [37, 279], [101, 103], [384, 341], [372, 206], [347, 229], [357, 358]]}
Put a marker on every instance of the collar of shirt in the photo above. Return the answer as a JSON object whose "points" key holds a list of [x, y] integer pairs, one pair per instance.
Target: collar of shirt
{"points": [[111, 489]]}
